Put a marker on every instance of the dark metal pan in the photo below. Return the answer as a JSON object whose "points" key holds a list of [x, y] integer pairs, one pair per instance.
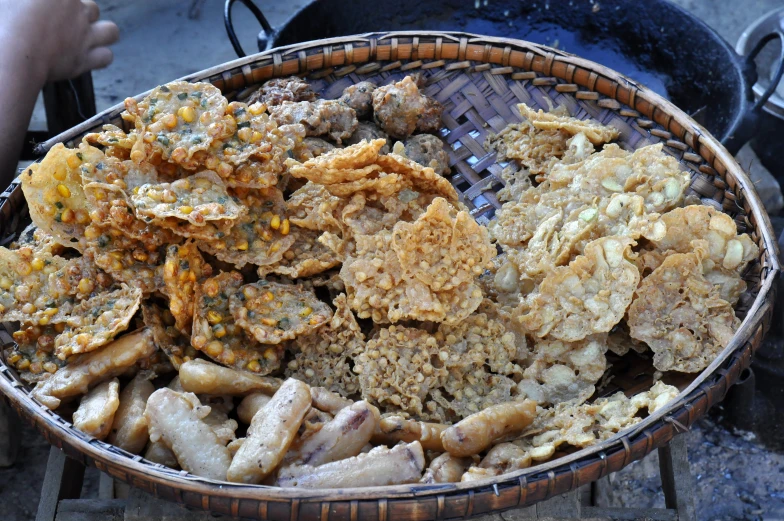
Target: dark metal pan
{"points": [[654, 43]]}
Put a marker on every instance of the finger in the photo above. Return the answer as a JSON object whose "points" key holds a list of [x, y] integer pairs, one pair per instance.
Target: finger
{"points": [[103, 34], [93, 11], [98, 58]]}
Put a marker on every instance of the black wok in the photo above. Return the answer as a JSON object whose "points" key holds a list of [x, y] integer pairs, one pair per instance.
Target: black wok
{"points": [[653, 42]]}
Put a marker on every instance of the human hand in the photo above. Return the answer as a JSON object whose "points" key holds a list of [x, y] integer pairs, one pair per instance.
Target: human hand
{"points": [[61, 38]]}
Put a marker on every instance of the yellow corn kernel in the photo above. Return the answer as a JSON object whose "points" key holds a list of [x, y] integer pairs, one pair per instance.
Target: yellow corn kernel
{"points": [[50, 367], [117, 255], [37, 264], [91, 233], [23, 364], [275, 247], [187, 114], [219, 331], [214, 348], [140, 255], [270, 354], [245, 134], [29, 309], [169, 197], [170, 120], [60, 173], [224, 169], [68, 216], [136, 190], [254, 366], [82, 217], [275, 222], [24, 269], [256, 109], [117, 265], [268, 296], [314, 320], [284, 227], [43, 321], [51, 311], [50, 196], [63, 190], [186, 209], [269, 321], [255, 137], [242, 245], [307, 310], [86, 286], [59, 327], [6, 283], [14, 358], [213, 317], [73, 161]]}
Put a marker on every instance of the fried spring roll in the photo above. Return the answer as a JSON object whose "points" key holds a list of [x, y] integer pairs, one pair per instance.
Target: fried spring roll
{"points": [[178, 420], [342, 437], [393, 429], [381, 466], [328, 401], [270, 433], [97, 408], [95, 367], [129, 429], [446, 469], [203, 377], [475, 433], [250, 405]]}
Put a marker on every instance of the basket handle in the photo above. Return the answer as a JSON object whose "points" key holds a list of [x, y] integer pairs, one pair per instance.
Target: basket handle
{"points": [[266, 36], [749, 58]]}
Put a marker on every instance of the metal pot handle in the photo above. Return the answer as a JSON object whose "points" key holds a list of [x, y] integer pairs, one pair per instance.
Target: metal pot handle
{"points": [[749, 58], [269, 32]]}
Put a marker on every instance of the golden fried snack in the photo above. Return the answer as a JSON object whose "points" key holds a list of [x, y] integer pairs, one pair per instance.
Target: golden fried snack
{"points": [[367, 131], [270, 433], [340, 165], [168, 338], [25, 292], [96, 321], [250, 405], [445, 468], [442, 250], [203, 377], [328, 401], [216, 334], [381, 466], [681, 316], [124, 265], [311, 147], [394, 429], [260, 237], [37, 240], [475, 433], [596, 133], [33, 357], [428, 150], [183, 271], [177, 419], [342, 437], [79, 277], [197, 200], [54, 194], [330, 118], [359, 97], [129, 428], [114, 140], [306, 257], [503, 458], [95, 367], [400, 109], [728, 253], [177, 120], [564, 371], [312, 207], [588, 296], [325, 356], [96, 411], [278, 90], [274, 312]]}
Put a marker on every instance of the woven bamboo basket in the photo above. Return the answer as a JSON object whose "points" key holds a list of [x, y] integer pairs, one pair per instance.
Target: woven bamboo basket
{"points": [[479, 80]]}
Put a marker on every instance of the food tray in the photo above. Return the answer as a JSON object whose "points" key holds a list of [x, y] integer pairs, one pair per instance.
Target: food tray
{"points": [[479, 79]]}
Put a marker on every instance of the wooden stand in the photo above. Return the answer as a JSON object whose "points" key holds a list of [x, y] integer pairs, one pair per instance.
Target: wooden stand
{"points": [[63, 483]]}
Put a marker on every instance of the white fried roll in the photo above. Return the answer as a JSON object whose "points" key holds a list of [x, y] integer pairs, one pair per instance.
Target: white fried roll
{"points": [[203, 377], [473, 434], [129, 429], [97, 408], [250, 405]]}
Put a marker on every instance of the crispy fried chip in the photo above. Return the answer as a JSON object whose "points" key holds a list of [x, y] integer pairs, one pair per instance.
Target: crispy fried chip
{"points": [[196, 199], [167, 337], [340, 164], [325, 356], [217, 335], [96, 321], [135, 267], [183, 271], [728, 253], [400, 109], [38, 240], [441, 250], [320, 117], [273, 312], [564, 371], [681, 316], [54, 194], [311, 147], [306, 257], [313, 207], [33, 356], [259, 237], [595, 132], [588, 296], [177, 120]]}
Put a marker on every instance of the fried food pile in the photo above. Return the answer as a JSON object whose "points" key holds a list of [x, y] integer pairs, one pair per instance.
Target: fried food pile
{"points": [[276, 292]]}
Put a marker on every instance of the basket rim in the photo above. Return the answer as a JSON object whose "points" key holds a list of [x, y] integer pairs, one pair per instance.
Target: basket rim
{"points": [[96, 450]]}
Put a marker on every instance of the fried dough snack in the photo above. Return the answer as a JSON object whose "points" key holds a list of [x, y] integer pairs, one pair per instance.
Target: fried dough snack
{"points": [[250, 405], [428, 150], [359, 97], [96, 411], [588, 296], [168, 338], [381, 466], [203, 377], [367, 131], [33, 357], [394, 429], [400, 109], [278, 90], [324, 357], [595, 132], [177, 419], [320, 117], [474, 433], [311, 147], [183, 271], [681, 316], [129, 428], [270, 433], [306, 257], [93, 368], [25, 291], [445, 469]]}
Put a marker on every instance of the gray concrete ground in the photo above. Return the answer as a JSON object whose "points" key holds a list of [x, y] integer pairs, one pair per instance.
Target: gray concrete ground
{"points": [[736, 477]]}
